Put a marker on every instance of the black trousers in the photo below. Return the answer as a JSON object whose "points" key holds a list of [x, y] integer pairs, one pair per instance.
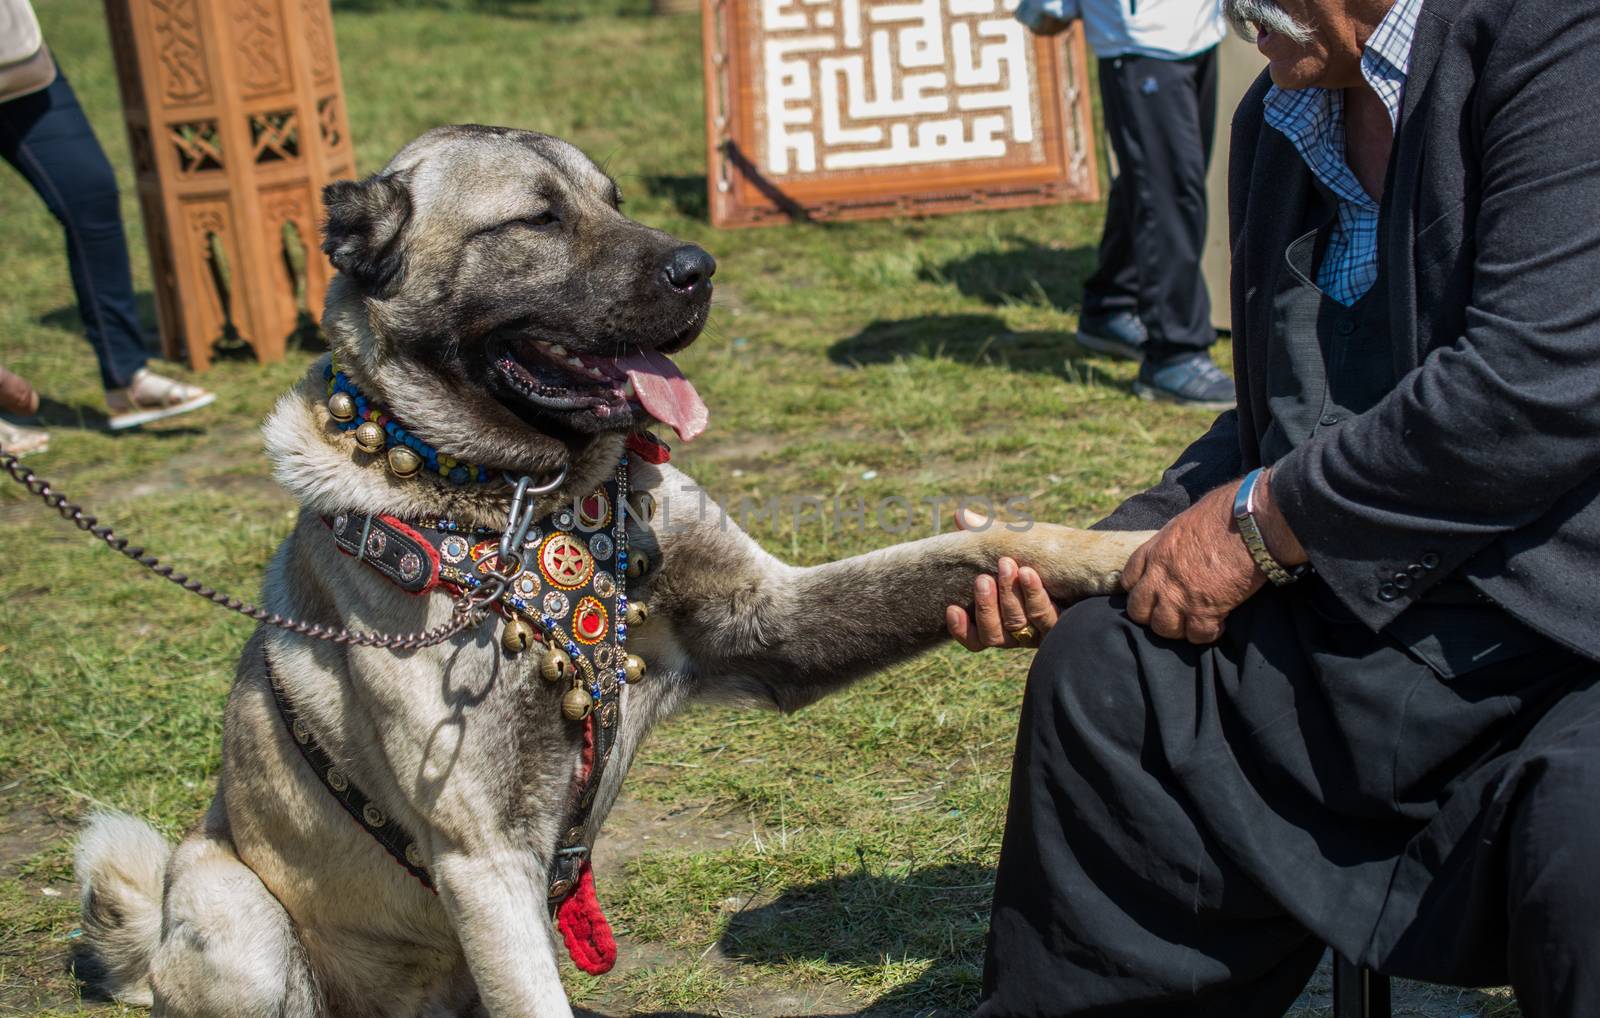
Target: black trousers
{"points": [[48, 139], [1189, 826], [1160, 118]]}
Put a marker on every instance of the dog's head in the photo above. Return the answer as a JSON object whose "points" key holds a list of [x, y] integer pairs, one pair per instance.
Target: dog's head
{"points": [[494, 267]]}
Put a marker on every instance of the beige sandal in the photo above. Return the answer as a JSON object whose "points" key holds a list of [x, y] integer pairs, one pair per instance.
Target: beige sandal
{"points": [[152, 397], [20, 441]]}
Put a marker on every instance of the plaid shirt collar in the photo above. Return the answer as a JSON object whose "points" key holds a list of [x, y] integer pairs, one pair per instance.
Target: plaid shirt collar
{"points": [[1313, 118]]}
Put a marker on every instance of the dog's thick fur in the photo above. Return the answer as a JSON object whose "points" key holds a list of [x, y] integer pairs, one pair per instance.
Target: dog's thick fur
{"points": [[276, 903]]}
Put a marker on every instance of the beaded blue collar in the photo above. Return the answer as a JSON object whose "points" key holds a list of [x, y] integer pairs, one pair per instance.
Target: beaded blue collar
{"points": [[379, 433]]}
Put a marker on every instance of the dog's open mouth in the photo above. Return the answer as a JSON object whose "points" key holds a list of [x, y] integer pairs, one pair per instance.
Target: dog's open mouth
{"points": [[553, 377]]}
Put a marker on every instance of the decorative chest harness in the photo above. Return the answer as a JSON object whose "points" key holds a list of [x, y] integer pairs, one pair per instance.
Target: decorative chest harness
{"points": [[560, 582]]}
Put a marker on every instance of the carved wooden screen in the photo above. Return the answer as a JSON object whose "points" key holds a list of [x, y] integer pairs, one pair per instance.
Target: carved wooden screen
{"points": [[842, 109], [236, 120]]}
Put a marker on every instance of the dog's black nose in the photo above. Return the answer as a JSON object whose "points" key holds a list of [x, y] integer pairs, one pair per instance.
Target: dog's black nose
{"points": [[689, 266]]}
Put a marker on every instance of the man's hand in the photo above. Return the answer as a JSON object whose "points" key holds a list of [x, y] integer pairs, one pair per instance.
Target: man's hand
{"points": [[1184, 581], [1002, 605]]}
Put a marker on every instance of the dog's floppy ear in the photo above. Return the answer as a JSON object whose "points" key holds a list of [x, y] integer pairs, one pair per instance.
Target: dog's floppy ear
{"points": [[362, 232]]}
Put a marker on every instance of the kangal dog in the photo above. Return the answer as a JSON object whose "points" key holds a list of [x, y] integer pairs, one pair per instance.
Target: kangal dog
{"points": [[494, 300]]}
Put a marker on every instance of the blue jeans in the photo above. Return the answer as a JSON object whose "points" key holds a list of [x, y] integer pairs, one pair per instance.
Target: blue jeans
{"points": [[47, 138]]}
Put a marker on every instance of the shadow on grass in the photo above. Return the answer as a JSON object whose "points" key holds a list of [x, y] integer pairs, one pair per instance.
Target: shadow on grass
{"points": [[67, 319], [969, 339], [937, 916], [1025, 272], [230, 346], [55, 415], [685, 193]]}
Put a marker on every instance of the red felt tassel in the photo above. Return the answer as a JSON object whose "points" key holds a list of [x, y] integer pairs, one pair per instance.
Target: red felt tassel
{"points": [[583, 926]]}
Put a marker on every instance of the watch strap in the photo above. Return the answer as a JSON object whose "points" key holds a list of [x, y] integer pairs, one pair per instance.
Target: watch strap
{"points": [[1250, 532]]}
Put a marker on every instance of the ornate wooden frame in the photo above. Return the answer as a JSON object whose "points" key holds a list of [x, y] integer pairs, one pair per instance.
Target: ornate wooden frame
{"points": [[1062, 166], [236, 120]]}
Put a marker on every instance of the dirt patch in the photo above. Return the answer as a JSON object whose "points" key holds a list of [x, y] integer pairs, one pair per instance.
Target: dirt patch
{"points": [[25, 830], [636, 828], [37, 983]]}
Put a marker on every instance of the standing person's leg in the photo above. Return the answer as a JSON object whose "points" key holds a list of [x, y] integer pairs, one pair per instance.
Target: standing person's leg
{"points": [[1110, 322], [48, 139], [1165, 136], [1169, 146]]}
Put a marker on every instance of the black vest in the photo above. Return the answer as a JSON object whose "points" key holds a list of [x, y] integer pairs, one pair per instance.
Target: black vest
{"points": [[1327, 363]]}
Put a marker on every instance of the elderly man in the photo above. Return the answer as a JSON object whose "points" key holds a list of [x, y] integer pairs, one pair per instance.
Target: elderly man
{"points": [[1350, 697]]}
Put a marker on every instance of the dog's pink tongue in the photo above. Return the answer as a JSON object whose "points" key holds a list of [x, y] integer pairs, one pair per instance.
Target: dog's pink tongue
{"points": [[663, 390]]}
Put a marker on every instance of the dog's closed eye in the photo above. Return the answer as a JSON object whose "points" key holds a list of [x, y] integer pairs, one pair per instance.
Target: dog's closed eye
{"points": [[538, 220]]}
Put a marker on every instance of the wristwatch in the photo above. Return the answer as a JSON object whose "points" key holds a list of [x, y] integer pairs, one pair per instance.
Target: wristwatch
{"points": [[1244, 509]]}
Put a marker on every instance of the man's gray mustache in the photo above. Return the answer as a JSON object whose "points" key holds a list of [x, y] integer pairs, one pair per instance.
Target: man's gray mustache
{"points": [[1249, 16]]}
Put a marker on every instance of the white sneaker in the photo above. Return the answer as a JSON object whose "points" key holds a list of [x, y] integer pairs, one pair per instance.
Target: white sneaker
{"points": [[152, 397]]}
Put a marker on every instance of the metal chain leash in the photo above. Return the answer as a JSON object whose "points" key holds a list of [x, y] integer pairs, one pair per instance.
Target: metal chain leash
{"points": [[467, 612]]}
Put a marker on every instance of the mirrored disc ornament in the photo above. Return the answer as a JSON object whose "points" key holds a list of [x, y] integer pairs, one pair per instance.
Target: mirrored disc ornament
{"points": [[453, 548], [526, 585], [556, 605], [604, 585], [562, 520], [410, 566], [601, 545]]}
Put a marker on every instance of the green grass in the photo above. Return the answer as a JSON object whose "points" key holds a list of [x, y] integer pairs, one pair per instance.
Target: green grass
{"points": [[916, 358]]}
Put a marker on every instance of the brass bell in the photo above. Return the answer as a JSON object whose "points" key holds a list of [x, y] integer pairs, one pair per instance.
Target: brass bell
{"points": [[517, 636], [576, 704], [633, 667], [370, 437], [638, 612], [403, 462], [341, 407], [556, 665], [643, 506], [638, 564]]}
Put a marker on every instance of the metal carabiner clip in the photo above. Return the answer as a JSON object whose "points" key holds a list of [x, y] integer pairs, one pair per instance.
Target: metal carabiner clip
{"points": [[521, 516]]}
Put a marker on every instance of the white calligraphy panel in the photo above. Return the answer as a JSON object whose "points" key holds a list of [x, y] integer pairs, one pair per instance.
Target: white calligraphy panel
{"points": [[805, 97], [856, 84]]}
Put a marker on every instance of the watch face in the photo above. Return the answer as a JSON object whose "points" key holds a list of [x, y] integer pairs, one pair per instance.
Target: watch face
{"points": [[1242, 497]]}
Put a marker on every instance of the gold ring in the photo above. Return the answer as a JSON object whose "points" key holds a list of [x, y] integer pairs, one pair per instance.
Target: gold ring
{"points": [[1026, 636]]}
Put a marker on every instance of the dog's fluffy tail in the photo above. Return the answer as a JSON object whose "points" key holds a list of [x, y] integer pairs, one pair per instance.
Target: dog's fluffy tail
{"points": [[121, 862]]}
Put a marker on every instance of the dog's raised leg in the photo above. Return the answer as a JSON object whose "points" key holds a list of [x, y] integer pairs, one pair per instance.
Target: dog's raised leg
{"points": [[227, 946], [747, 624], [496, 897]]}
